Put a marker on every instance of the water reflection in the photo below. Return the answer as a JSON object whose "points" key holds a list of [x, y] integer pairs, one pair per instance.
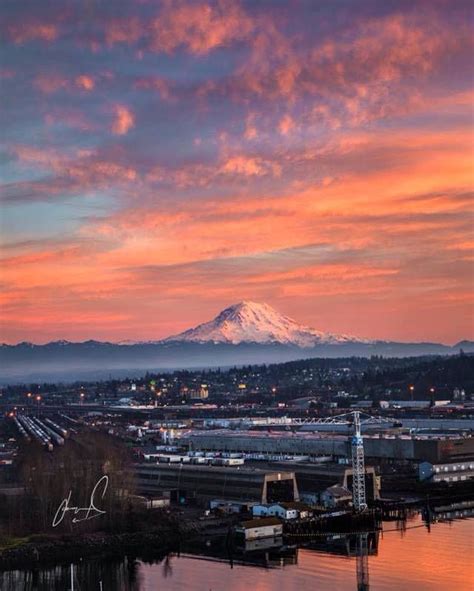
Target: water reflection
{"points": [[435, 549], [123, 575]]}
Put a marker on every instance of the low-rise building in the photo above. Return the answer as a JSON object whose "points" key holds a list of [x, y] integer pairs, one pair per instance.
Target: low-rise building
{"points": [[447, 472], [150, 503], [284, 510], [268, 527], [335, 496], [201, 483], [260, 510], [227, 506]]}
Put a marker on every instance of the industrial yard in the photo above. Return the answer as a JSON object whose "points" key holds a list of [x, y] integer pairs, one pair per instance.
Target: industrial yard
{"points": [[255, 473]]}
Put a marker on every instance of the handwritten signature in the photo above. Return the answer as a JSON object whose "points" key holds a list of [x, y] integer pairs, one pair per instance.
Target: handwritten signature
{"points": [[82, 513]]}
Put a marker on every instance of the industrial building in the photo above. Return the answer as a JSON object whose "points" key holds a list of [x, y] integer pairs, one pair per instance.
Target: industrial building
{"points": [[314, 478], [201, 483], [379, 447], [450, 472]]}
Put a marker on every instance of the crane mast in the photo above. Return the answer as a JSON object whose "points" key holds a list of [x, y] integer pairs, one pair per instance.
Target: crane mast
{"points": [[358, 467], [359, 499]]}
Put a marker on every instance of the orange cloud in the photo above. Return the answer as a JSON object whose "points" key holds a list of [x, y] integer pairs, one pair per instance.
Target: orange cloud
{"points": [[124, 120], [85, 82], [245, 166], [347, 212], [286, 125]]}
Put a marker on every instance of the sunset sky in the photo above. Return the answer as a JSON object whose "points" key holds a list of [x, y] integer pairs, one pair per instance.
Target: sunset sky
{"points": [[162, 160]]}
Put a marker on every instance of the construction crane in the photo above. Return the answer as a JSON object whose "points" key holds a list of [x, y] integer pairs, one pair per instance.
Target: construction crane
{"points": [[359, 500], [357, 420], [358, 467]]}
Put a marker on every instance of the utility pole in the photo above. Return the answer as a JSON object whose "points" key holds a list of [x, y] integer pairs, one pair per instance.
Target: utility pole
{"points": [[358, 467]]}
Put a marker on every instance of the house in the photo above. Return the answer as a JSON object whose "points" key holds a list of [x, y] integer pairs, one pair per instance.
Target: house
{"points": [[279, 510], [289, 510], [304, 510], [268, 527], [335, 496], [260, 510]]}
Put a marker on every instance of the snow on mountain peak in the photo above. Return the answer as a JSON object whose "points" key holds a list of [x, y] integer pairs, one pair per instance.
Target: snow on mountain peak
{"points": [[253, 322]]}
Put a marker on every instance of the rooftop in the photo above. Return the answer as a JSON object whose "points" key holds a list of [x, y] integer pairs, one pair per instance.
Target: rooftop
{"points": [[263, 522], [339, 491]]}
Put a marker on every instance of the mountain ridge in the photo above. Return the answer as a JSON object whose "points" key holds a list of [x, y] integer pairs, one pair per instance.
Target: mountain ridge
{"points": [[254, 322], [246, 333]]}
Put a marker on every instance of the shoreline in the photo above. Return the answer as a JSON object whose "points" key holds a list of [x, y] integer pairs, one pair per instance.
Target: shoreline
{"points": [[42, 550], [50, 550]]}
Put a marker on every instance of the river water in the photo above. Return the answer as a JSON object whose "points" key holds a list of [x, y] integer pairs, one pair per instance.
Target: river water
{"points": [[407, 556]]}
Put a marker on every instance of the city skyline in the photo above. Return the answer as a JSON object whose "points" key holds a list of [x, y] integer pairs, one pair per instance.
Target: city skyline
{"points": [[164, 160]]}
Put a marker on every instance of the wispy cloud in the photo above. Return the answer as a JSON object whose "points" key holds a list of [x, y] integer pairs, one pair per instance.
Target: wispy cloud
{"points": [[317, 159]]}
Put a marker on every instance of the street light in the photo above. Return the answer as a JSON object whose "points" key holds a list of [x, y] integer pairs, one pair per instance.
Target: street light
{"points": [[412, 389], [38, 400], [432, 391]]}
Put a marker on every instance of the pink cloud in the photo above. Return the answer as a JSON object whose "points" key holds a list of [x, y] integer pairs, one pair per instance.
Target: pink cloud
{"points": [[128, 31], [50, 83], [160, 85], [286, 125], [199, 26], [32, 31], [85, 82], [124, 120]]}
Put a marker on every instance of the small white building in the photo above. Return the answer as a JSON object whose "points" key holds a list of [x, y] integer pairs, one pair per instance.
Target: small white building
{"points": [[150, 503], [284, 510], [268, 527]]}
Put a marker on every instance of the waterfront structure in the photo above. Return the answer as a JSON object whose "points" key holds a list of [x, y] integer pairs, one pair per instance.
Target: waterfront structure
{"points": [[201, 483], [314, 478], [253, 529]]}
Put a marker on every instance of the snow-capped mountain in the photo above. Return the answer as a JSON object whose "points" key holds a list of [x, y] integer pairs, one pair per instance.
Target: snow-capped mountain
{"points": [[252, 322], [243, 334]]}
